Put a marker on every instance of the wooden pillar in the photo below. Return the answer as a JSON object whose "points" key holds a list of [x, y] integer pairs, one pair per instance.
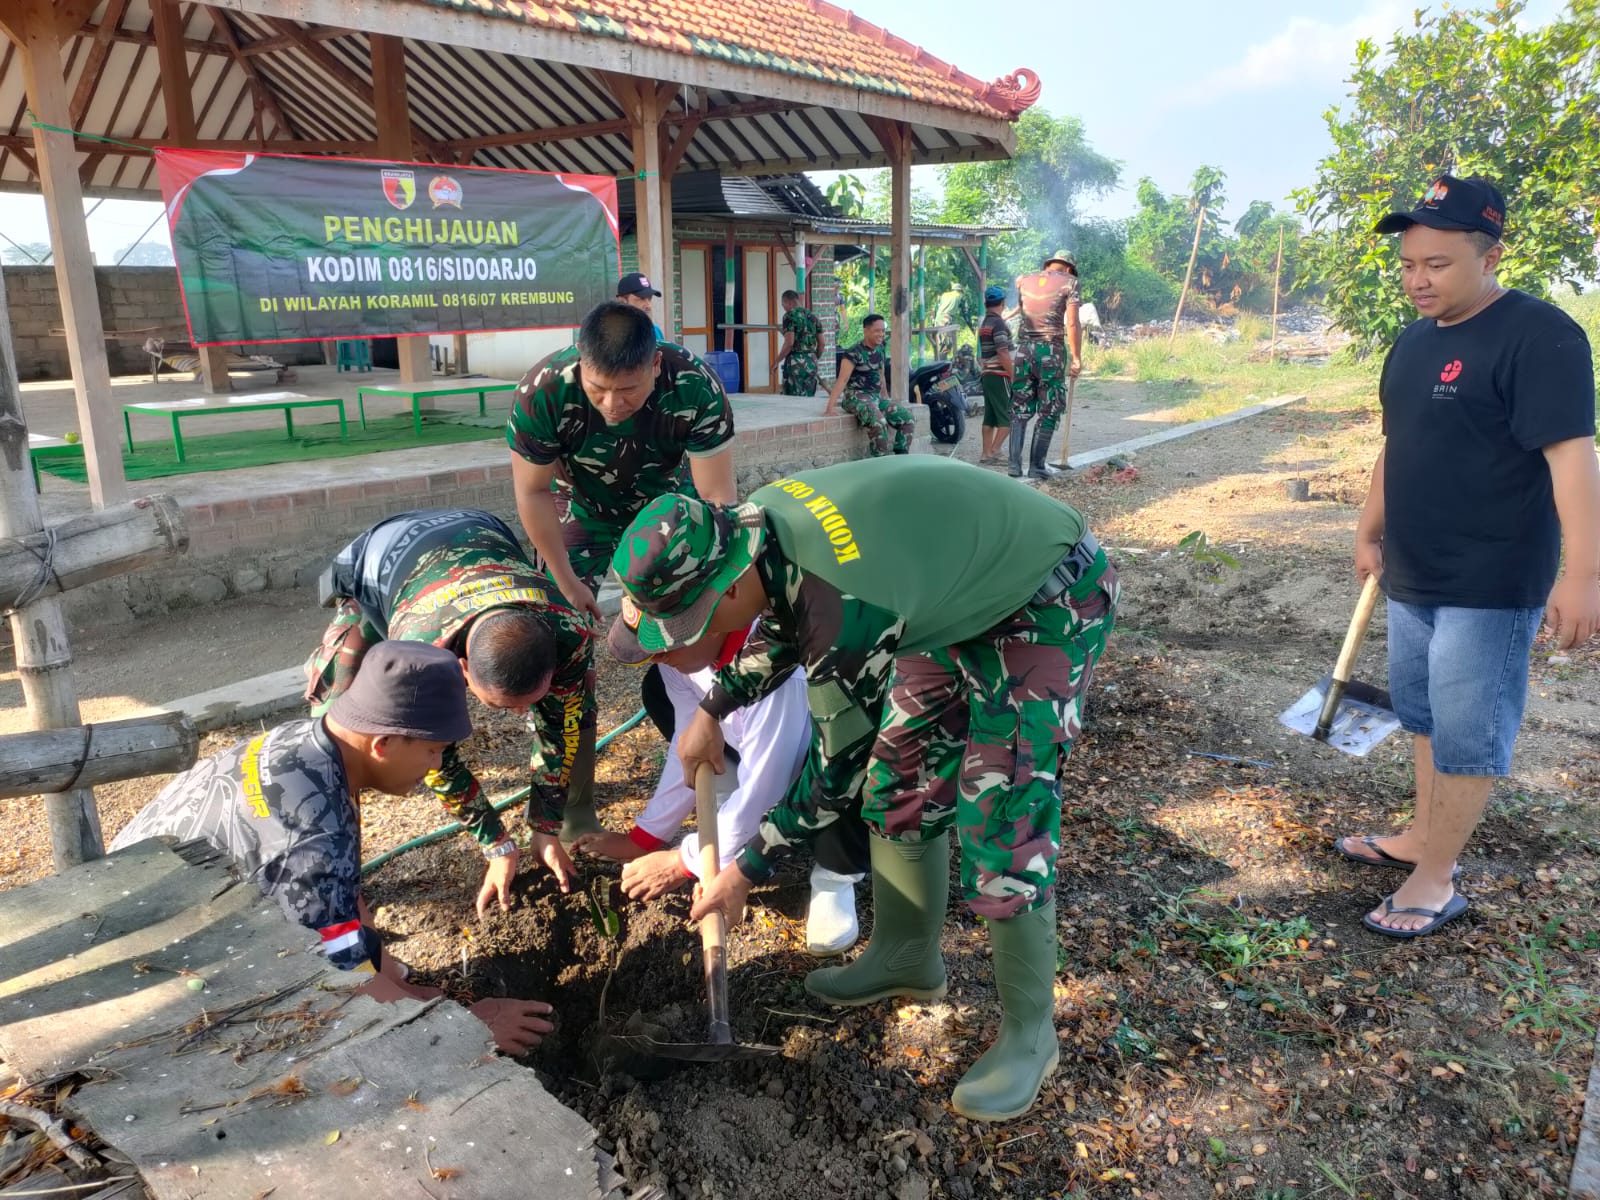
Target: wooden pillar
{"points": [[37, 27], [178, 101], [896, 137], [673, 149], [393, 112], [38, 630]]}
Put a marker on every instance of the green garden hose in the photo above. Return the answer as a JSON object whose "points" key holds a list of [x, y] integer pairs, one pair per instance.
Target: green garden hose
{"points": [[455, 827]]}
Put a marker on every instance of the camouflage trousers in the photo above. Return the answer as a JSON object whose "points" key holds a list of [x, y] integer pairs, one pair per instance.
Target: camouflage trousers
{"points": [[974, 736], [333, 664], [800, 374], [1039, 388], [877, 415]]}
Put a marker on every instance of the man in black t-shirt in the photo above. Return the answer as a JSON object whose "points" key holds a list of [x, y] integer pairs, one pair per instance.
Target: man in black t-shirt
{"points": [[1488, 467]]}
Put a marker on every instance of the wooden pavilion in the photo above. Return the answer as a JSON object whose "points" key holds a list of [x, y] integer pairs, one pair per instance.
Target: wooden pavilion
{"points": [[618, 87]]}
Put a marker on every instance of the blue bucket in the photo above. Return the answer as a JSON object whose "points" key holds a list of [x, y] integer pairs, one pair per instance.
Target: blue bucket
{"points": [[726, 364]]}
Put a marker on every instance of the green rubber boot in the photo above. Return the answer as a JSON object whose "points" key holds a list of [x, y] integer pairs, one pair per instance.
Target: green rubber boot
{"points": [[910, 886], [579, 818], [1005, 1081]]}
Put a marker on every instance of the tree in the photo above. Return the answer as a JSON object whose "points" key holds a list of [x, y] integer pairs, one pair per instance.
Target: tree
{"points": [[1205, 196], [847, 194], [145, 254], [1038, 190], [26, 253], [1464, 93]]}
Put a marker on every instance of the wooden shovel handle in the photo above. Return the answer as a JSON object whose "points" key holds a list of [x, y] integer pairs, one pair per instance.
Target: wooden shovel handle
{"points": [[1357, 633], [713, 929]]}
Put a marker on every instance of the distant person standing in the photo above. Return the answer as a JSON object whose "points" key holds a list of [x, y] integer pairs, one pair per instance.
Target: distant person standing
{"points": [[862, 389], [618, 414], [1488, 467], [1047, 305], [634, 288], [802, 342], [950, 309], [998, 368]]}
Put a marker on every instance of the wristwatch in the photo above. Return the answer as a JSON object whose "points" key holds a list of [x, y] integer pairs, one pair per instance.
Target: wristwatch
{"points": [[501, 849]]}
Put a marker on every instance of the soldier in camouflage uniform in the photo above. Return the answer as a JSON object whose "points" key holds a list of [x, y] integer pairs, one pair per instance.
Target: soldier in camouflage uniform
{"points": [[946, 665], [283, 807], [863, 380], [617, 416], [445, 577], [1047, 304], [802, 342], [951, 308]]}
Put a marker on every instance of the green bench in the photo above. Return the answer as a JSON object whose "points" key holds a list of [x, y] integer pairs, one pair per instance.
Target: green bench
{"points": [[36, 443], [286, 402], [417, 393]]}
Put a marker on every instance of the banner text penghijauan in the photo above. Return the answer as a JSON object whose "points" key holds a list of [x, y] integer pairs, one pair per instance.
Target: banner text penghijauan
{"points": [[280, 248]]}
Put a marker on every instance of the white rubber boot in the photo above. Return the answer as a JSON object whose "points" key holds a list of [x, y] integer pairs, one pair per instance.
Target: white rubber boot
{"points": [[831, 926]]}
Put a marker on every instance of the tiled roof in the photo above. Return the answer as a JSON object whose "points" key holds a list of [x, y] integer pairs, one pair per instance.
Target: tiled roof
{"points": [[807, 38]]}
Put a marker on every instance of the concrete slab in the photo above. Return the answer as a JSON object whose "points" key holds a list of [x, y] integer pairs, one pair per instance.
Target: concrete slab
{"points": [[274, 1076], [248, 700], [1100, 454]]}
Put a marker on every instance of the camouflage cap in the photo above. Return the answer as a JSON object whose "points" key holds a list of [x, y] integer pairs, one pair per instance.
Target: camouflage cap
{"points": [[675, 562], [1060, 256]]}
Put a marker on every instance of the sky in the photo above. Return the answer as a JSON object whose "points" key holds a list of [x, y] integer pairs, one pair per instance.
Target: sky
{"points": [[1160, 85]]}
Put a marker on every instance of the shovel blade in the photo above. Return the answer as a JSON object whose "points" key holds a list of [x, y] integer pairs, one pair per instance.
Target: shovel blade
{"points": [[1364, 719], [702, 1052]]}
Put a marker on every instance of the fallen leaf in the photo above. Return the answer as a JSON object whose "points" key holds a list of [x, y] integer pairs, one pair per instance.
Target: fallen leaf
{"points": [[344, 1087], [1456, 1067], [1258, 1149], [331, 1138]]}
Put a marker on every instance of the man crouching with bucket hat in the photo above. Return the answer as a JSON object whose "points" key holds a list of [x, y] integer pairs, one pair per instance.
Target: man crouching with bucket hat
{"points": [[945, 669]]}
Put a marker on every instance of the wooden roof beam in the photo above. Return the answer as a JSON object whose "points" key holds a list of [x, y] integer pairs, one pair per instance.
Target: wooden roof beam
{"points": [[139, 37], [94, 66], [266, 103], [352, 83]]}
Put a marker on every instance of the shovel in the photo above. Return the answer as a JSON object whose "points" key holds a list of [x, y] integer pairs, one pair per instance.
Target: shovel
{"points": [[1345, 713], [719, 1045], [1066, 423]]}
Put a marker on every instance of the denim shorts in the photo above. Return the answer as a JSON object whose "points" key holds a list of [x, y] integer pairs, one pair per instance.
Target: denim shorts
{"points": [[1459, 676]]}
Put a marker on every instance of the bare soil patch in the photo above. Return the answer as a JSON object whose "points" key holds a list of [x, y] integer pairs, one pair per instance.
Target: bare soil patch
{"points": [[1227, 1026]]}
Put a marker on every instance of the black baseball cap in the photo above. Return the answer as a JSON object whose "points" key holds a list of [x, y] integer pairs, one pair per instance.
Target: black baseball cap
{"points": [[635, 284], [1475, 205], [407, 689]]}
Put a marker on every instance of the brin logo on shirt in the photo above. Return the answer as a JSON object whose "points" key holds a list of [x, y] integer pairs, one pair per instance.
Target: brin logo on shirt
{"points": [[1447, 379]]}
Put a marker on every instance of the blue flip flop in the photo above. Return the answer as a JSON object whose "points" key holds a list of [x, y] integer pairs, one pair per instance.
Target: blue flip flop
{"points": [[1453, 908], [1384, 859]]}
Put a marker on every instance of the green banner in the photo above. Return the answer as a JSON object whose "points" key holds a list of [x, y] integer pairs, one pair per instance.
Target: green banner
{"points": [[277, 248]]}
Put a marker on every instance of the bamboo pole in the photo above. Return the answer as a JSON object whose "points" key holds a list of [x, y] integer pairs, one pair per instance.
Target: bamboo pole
{"points": [[47, 760], [1194, 253], [93, 546], [1277, 279], [38, 630]]}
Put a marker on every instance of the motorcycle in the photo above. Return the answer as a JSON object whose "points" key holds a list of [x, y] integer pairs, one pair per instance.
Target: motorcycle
{"points": [[937, 385]]}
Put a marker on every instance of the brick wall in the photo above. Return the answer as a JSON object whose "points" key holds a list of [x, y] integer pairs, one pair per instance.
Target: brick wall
{"points": [[130, 298]]}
